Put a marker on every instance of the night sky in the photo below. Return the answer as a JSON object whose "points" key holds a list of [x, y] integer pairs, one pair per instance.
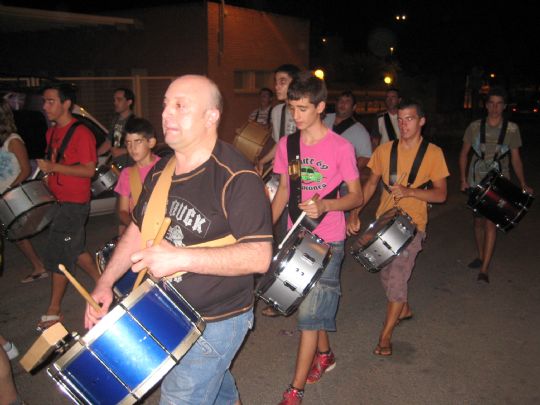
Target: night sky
{"points": [[437, 37]]}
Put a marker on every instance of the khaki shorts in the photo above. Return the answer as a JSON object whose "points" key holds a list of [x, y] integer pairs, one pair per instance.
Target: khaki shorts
{"points": [[395, 276]]}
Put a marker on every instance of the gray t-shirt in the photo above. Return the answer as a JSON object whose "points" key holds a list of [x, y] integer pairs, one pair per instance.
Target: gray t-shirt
{"points": [[478, 168], [355, 134]]}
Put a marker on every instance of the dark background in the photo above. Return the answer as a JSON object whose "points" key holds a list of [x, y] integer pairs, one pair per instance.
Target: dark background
{"points": [[436, 37]]}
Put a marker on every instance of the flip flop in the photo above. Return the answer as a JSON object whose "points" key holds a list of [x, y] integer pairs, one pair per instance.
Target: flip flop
{"points": [[47, 321], [383, 351], [33, 277], [405, 318]]}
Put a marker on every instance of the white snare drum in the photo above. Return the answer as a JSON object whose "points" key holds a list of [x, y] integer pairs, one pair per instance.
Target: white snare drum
{"points": [[27, 209], [104, 179], [384, 240], [294, 271], [272, 185]]}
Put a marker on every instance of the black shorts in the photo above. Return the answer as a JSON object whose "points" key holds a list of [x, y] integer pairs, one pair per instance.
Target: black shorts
{"points": [[67, 236]]}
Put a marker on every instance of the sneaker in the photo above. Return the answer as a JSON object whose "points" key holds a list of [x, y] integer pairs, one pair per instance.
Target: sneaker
{"points": [[483, 277], [321, 364], [11, 350], [292, 396], [475, 264]]}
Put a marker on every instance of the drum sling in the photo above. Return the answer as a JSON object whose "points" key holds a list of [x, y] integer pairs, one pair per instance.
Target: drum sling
{"points": [[392, 176], [481, 154], [63, 146], [295, 184], [389, 127], [343, 125]]}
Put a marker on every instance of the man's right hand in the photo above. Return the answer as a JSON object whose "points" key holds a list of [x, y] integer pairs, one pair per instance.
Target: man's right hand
{"points": [[102, 295]]}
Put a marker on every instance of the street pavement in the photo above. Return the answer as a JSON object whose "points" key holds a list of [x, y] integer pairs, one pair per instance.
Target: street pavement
{"points": [[467, 343]]}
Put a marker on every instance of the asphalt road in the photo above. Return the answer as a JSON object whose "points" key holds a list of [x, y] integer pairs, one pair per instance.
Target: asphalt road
{"points": [[467, 343]]}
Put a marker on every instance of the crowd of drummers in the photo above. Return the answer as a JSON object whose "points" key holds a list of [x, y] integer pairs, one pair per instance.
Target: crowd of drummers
{"points": [[269, 223]]}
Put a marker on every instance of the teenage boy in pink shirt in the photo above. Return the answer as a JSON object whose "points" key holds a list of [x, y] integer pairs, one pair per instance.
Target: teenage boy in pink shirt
{"points": [[139, 141], [327, 160]]}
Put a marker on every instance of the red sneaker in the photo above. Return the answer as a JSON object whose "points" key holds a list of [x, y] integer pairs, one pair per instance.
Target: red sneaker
{"points": [[292, 396], [321, 364]]}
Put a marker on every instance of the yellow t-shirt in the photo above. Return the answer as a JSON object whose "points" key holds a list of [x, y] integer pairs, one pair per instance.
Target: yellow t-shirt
{"points": [[433, 168]]}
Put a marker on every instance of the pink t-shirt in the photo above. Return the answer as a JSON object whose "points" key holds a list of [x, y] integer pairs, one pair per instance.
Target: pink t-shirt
{"points": [[123, 188], [324, 166]]}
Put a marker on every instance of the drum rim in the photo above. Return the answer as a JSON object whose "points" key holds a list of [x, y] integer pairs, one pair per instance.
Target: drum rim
{"points": [[30, 235], [386, 227], [12, 188]]}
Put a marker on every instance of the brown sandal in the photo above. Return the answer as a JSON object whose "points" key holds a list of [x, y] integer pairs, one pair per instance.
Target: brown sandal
{"points": [[270, 312]]}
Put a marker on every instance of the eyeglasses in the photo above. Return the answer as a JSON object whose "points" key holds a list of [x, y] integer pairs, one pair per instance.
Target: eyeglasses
{"points": [[135, 142]]}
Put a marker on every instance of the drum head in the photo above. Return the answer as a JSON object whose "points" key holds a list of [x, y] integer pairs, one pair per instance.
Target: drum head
{"points": [[378, 227]]}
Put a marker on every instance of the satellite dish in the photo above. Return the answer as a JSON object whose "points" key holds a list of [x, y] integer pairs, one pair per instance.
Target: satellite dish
{"points": [[380, 40]]}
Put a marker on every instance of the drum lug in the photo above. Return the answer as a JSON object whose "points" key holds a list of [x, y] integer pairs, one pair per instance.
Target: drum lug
{"points": [[290, 286], [310, 260]]}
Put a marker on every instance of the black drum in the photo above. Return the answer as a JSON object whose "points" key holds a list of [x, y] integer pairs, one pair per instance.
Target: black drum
{"points": [[499, 200]]}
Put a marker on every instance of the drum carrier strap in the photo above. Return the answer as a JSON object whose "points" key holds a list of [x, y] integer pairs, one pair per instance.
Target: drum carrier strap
{"points": [[343, 125], [389, 127], [282, 121], [414, 169], [135, 183], [65, 142], [295, 184], [500, 140]]}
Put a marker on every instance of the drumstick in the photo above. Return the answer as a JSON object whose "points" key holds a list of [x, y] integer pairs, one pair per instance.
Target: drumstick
{"points": [[266, 172], [390, 193], [297, 222], [80, 288], [159, 237], [35, 173]]}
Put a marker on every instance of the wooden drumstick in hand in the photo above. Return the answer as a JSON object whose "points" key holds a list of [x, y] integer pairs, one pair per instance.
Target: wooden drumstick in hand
{"points": [[300, 218], [159, 237], [80, 288]]}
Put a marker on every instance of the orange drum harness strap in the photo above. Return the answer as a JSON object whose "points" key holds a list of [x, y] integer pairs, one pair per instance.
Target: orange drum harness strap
{"points": [[135, 183]]}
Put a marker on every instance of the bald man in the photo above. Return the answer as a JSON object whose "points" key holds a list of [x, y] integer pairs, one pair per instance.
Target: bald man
{"points": [[215, 196]]}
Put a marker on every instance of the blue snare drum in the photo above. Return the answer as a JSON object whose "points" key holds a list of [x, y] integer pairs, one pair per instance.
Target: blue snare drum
{"points": [[131, 349], [125, 284]]}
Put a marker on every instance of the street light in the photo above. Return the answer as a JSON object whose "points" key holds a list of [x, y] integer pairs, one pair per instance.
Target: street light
{"points": [[388, 80], [319, 73]]}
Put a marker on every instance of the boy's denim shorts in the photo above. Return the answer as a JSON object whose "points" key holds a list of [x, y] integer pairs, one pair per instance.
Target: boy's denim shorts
{"points": [[318, 310]]}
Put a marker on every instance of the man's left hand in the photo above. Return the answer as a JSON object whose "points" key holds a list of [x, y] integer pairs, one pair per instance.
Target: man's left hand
{"points": [[46, 166], [399, 192], [313, 209], [161, 260]]}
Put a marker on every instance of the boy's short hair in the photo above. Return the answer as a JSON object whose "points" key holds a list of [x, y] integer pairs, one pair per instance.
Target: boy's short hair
{"points": [[66, 91], [412, 103], [291, 70], [348, 94], [498, 91], [128, 94], [139, 126], [309, 86], [266, 90]]}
